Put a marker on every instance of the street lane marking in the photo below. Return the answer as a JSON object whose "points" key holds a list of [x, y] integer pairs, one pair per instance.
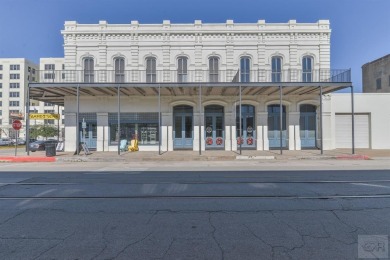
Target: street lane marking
{"points": [[27, 200], [198, 197], [371, 185]]}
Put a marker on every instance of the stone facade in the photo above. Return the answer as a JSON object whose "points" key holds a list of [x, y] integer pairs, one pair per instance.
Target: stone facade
{"points": [[376, 76]]}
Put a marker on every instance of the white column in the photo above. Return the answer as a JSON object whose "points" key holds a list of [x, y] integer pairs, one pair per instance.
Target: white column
{"points": [[167, 132], [234, 138], [294, 141], [70, 132], [228, 133], [102, 132], [259, 133], [195, 142], [262, 118]]}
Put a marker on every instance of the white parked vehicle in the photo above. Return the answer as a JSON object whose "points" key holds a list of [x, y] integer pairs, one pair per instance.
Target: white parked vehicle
{"points": [[5, 141]]}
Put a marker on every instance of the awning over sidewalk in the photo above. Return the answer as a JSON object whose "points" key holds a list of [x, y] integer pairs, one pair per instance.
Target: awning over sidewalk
{"points": [[55, 92]]}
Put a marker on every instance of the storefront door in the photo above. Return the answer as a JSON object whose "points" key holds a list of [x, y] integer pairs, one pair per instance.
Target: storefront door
{"points": [[183, 127], [214, 127], [248, 127], [89, 135], [307, 125], [274, 127]]}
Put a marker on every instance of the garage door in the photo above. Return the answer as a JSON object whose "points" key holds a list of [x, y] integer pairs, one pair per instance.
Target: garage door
{"points": [[344, 131]]}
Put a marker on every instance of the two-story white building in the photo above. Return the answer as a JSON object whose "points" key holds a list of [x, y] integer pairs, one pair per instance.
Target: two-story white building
{"points": [[196, 86]]}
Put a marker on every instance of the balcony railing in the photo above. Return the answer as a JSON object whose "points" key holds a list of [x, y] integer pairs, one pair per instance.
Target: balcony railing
{"points": [[173, 76]]}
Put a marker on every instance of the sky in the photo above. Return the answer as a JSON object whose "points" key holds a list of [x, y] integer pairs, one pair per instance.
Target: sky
{"points": [[360, 28]]}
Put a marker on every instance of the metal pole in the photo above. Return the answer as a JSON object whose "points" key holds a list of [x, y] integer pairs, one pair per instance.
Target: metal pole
{"points": [[28, 120], [281, 119], [119, 122], [240, 137], [321, 124], [77, 121], [58, 123], [200, 119], [159, 119], [353, 121]]}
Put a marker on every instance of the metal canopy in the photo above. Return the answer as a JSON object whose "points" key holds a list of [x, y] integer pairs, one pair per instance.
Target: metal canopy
{"points": [[56, 92]]}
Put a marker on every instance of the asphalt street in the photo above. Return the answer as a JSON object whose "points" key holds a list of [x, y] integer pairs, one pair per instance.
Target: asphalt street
{"points": [[99, 211]]}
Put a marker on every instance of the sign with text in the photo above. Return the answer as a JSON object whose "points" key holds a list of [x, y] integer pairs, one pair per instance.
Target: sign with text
{"points": [[35, 116], [16, 124]]}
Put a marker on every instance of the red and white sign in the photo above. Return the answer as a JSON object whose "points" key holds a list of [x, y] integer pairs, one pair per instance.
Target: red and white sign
{"points": [[16, 124]]}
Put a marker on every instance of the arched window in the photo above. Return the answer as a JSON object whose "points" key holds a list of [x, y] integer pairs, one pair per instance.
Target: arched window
{"points": [[88, 70], [213, 69], [276, 69], [245, 69], [307, 69], [119, 64], [151, 70], [182, 69]]}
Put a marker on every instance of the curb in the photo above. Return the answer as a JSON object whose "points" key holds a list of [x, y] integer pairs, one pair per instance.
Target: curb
{"points": [[20, 159], [254, 157], [353, 157]]}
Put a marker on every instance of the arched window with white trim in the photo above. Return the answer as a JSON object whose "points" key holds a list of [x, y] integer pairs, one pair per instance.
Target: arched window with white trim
{"points": [[151, 73], [182, 69], [89, 73], [276, 69], [307, 69], [213, 69], [119, 64], [245, 69]]}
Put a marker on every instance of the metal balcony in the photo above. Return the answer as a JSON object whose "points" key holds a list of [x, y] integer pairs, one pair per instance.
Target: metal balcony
{"points": [[192, 76]]}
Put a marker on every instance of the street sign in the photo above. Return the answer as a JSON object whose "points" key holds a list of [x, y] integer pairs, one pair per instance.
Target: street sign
{"points": [[16, 124], [36, 116]]}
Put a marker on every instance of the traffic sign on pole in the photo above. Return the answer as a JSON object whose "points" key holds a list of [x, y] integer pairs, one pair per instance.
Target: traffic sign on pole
{"points": [[16, 124]]}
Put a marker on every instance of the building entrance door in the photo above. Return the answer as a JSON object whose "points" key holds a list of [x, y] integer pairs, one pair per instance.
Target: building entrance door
{"points": [[307, 125], [248, 131], [214, 127], [274, 127], [183, 130], [89, 135]]}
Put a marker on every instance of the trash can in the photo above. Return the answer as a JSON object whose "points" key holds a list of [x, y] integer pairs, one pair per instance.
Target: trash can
{"points": [[50, 150]]}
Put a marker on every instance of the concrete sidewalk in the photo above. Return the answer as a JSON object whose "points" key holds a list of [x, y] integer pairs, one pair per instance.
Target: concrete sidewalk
{"points": [[338, 154]]}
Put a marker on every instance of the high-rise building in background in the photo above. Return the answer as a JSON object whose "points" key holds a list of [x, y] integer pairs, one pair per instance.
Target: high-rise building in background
{"points": [[15, 75]]}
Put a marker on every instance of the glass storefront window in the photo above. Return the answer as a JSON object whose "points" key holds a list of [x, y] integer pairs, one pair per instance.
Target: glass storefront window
{"points": [[146, 133]]}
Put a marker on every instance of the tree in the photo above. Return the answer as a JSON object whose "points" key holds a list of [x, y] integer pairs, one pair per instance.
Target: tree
{"points": [[43, 130], [34, 131]]}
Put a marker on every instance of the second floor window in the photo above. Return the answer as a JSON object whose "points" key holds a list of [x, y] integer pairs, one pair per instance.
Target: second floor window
{"points": [[276, 69], [48, 76], [14, 85], [14, 76], [14, 67], [307, 69], [378, 83], [213, 69], [119, 64], [14, 104], [88, 70], [14, 94], [50, 66], [245, 69], [182, 69], [151, 70]]}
